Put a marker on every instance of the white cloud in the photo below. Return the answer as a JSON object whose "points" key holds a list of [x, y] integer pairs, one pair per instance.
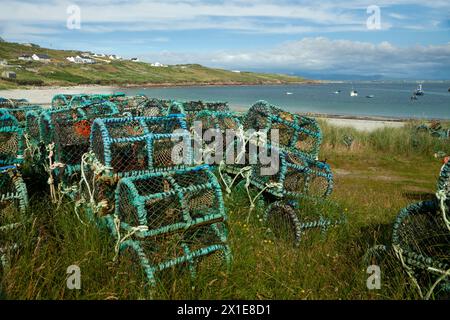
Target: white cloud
{"points": [[325, 55]]}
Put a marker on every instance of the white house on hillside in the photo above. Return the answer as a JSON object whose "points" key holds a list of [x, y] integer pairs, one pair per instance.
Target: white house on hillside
{"points": [[81, 59], [41, 57], [157, 64], [25, 57]]}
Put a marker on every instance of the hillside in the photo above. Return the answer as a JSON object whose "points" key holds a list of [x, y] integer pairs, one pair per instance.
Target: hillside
{"points": [[62, 72]]}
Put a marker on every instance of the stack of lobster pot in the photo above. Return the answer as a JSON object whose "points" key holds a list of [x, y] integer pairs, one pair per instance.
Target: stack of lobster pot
{"points": [[79, 100], [191, 108], [139, 180], [64, 134], [278, 156], [13, 191]]}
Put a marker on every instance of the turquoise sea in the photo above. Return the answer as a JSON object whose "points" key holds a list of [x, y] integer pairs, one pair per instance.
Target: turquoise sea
{"points": [[390, 99]]}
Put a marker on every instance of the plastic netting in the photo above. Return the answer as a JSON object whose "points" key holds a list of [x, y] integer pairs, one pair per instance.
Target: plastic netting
{"points": [[11, 145], [65, 134], [134, 144], [12, 103], [191, 108], [20, 113], [182, 212], [421, 241], [284, 173], [13, 191], [79, 100], [140, 106], [435, 129], [295, 132]]}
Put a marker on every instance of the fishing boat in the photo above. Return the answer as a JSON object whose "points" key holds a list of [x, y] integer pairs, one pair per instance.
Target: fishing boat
{"points": [[353, 93], [419, 90]]}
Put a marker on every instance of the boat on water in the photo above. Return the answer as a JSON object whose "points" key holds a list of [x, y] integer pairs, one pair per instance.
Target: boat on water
{"points": [[339, 91], [370, 96], [419, 91], [289, 93], [353, 93]]}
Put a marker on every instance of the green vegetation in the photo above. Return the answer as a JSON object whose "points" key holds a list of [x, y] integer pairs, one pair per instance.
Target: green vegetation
{"points": [[62, 72], [377, 175]]}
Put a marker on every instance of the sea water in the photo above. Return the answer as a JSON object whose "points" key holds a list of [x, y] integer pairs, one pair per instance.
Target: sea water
{"points": [[390, 99]]}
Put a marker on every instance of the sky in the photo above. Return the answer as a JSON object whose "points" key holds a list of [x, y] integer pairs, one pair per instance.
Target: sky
{"points": [[386, 39]]}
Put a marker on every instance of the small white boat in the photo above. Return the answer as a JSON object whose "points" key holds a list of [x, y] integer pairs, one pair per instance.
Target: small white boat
{"points": [[419, 90], [289, 93], [353, 93], [337, 92], [370, 96]]}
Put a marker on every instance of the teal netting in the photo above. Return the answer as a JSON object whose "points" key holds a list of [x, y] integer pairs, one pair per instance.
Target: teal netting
{"points": [[12, 103], [20, 113], [295, 132], [435, 129], [141, 143], [191, 108], [65, 134], [421, 241], [79, 100], [11, 145], [13, 191], [140, 106]]}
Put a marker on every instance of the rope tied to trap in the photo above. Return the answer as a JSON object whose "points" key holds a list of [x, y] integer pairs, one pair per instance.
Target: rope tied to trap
{"points": [[52, 166], [133, 230]]}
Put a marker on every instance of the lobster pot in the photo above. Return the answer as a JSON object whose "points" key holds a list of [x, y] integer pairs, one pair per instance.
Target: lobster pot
{"points": [[20, 113], [7, 120], [286, 173], [11, 145], [12, 103], [201, 250], [61, 101], [33, 128], [295, 132], [170, 201], [71, 134], [423, 237], [141, 143], [191, 108], [226, 124], [128, 103], [13, 191], [444, 179], [184, 213]]}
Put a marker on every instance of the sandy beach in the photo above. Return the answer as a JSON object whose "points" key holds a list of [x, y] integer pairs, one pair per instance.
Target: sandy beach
{"points": [[43, 96]]}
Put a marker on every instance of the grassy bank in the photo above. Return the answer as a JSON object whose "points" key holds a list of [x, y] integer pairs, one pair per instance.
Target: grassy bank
{"points": [[60, 72], [380, 173]]}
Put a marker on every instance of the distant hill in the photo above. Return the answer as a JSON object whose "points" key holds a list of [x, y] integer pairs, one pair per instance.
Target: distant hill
{"points": [[114, 72]]}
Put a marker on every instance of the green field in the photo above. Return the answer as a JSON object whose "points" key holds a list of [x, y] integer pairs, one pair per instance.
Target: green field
{"points": [[382, 172], [61, 72]]}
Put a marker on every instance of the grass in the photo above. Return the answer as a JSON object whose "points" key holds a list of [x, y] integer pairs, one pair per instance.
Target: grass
{"points": [[62, 72], [382, 172]]}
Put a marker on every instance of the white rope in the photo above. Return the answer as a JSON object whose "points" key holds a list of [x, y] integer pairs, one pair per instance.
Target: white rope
{"points": [[30, 148], [98, 168], [130, 233], [399, 253], [51, 167], [445, 274]]}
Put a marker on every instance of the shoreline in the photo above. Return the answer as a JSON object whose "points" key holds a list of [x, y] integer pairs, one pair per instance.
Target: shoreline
{"points": [[43, 96]]}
